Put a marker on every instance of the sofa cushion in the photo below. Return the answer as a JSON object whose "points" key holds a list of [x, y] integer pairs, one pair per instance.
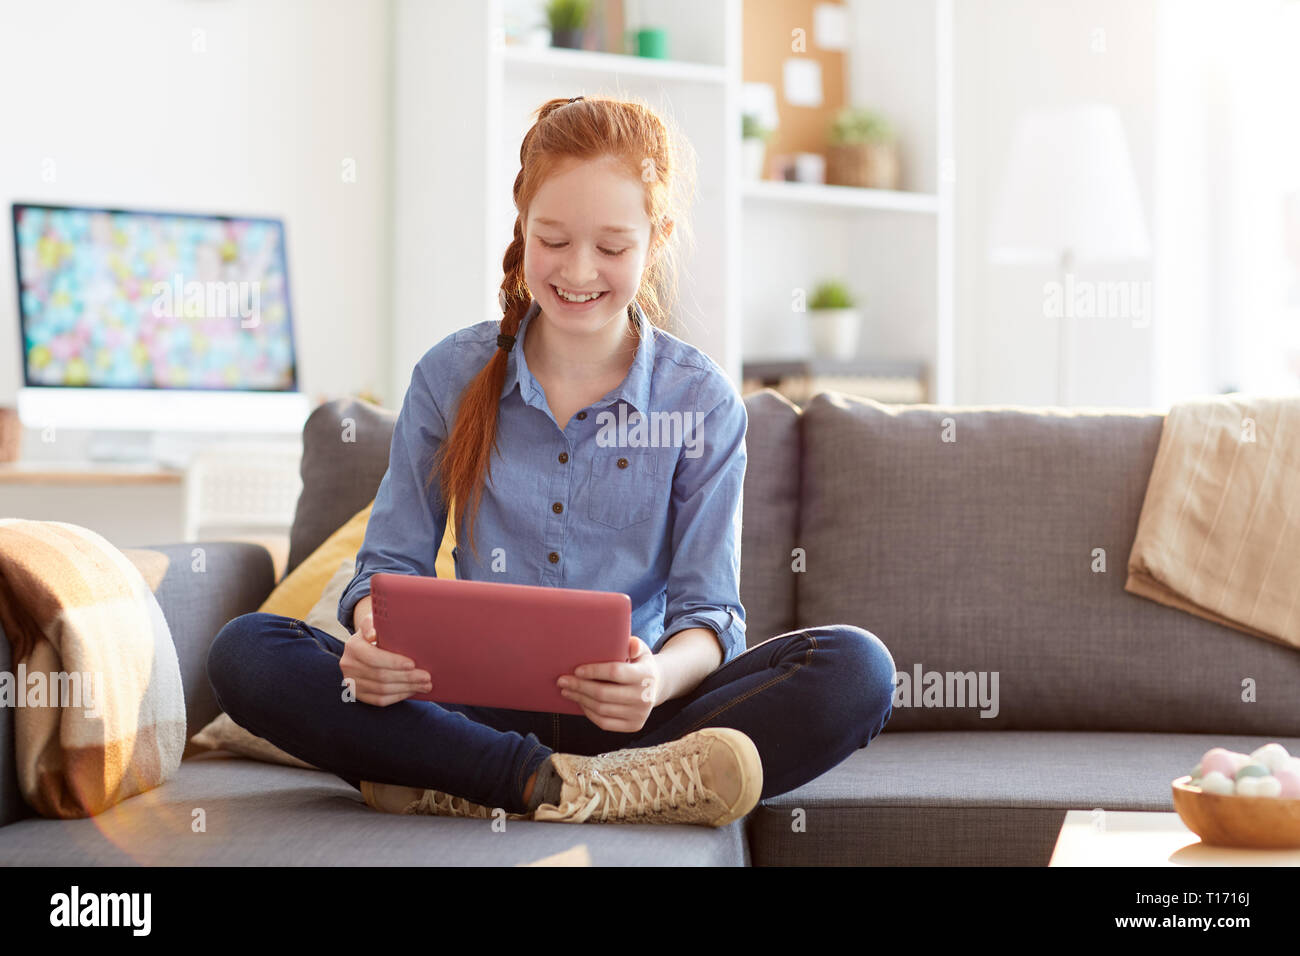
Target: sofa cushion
{"points": [[262, 814], [299, 591], [977, 555], [206, 585], [345, 445], [770, 515], [956, 798]]}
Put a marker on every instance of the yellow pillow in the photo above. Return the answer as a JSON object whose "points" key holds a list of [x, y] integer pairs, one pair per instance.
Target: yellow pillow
{"points": [[298, 593]]}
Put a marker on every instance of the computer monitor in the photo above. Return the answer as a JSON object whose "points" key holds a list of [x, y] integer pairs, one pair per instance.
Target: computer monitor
{"points": [[154, 321]]}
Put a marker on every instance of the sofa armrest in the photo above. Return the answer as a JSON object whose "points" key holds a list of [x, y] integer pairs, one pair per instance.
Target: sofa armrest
{"points": [[206, 584]]}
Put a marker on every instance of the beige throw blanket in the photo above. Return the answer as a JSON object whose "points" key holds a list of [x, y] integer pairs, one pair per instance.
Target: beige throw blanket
{"points": [[1219, 533], [94, 684]]}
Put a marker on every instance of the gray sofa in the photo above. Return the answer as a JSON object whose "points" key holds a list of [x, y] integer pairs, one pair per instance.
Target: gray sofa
{"points": [[970, 540]]}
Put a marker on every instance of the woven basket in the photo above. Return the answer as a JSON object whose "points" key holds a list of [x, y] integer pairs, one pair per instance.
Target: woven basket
{"points": [[867, 165]]}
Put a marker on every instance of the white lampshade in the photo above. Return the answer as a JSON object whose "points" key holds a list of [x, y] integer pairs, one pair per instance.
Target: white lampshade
{"points": [[1069, 188]]}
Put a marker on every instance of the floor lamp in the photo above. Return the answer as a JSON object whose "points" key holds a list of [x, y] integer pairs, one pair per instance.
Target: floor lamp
{"points": [[1068, 197]]}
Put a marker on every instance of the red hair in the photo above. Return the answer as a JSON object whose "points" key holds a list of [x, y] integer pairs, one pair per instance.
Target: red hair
{"points": [[639, 140]]}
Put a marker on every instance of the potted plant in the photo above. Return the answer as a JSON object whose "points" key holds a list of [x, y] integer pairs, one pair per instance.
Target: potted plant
{"points": [[834, 321], [753, 145], [863, 150], [568, 20]]}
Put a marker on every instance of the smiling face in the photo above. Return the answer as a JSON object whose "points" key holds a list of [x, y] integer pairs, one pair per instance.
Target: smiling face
{"points": [[587, 232]]}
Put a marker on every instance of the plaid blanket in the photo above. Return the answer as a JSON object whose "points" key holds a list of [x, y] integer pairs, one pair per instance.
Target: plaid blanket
{"points": [[99, 710], [1219, 533]]}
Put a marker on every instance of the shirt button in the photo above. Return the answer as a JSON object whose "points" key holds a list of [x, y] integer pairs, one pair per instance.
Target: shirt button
{"points": [[553, 557], [557, 507], [582, 416], [622, 463], [564, 456]]}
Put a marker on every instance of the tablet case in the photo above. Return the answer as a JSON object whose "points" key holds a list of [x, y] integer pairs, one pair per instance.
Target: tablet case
{"points": [[498, 645]]}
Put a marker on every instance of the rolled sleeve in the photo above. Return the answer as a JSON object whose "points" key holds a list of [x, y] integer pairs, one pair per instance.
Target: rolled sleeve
{"points": [[408, 519], [704, 582]]}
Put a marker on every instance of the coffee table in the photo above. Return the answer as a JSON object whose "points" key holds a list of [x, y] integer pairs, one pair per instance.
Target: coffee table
{"points": [[1132, 838]]}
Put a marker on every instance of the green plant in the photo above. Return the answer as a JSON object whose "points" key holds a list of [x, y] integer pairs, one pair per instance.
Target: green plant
{"points": [[856, 125], [751, 128], [568, 14], [832, 295]]}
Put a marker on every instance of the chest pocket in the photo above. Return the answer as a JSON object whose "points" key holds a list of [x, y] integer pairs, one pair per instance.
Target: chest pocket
{"points": [[624, 487]]}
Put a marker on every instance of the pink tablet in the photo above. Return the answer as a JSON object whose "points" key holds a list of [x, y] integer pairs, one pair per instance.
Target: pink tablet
{"points": [[498, 645]]}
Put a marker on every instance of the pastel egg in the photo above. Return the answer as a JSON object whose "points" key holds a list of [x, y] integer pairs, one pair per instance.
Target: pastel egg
{"points": [[1289, 780], [1247, 786], [1252, 770], [1215, 782], [1267, 787], [1218, 760], [1272, 756]]}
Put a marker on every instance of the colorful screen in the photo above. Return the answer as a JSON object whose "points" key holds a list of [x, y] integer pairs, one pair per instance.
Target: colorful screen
{"points": [[116, 299]]}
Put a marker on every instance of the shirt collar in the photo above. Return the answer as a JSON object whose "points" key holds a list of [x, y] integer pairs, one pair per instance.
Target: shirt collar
{"points": [[635, 388]]}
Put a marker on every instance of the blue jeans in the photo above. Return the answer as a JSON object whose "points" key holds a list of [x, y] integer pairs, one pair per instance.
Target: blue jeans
{"points": [[807, 699]]}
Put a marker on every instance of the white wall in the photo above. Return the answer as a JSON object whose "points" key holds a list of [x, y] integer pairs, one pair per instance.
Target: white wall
{"points": [[1013, 55], [132, 115]]}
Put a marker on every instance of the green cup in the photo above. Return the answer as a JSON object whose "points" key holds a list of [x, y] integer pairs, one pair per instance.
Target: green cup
{"points": [[652, 42]]}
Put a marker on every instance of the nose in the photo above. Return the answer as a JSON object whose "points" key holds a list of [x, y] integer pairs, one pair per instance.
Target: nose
{"points": [[578, 271]]}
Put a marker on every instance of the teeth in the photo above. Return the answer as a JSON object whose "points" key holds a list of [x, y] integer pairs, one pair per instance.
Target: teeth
{"points": [[577, 298]]}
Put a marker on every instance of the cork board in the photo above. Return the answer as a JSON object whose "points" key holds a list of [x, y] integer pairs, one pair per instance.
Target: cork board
{"points": [[770, 40]]}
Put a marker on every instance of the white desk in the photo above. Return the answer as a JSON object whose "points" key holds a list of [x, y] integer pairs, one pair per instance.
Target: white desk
{"points": [[130, 505], [1130, 838]]}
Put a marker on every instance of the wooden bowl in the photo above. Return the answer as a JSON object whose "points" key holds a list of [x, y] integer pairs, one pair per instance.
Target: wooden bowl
{"points": [[1270, 823]]}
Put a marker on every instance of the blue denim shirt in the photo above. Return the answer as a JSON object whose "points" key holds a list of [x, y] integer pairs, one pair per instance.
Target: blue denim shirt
{"points": [[652, 511]]}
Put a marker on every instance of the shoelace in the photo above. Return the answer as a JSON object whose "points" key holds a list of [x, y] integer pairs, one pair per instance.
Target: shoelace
{"points": [[444, 804], [653, 794]]}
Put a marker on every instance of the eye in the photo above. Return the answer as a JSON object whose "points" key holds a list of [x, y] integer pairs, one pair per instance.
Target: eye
{"points": [[559, 245]]}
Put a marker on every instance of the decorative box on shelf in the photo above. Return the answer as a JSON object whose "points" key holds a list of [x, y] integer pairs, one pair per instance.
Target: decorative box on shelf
{"points": [[885, 380]]}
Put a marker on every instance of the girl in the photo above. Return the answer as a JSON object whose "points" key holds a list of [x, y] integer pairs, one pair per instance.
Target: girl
{"points": [[695, 729]]}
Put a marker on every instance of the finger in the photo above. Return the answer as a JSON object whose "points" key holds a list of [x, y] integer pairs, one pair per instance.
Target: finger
{"points": [[615, 671], [384, 700], [614, 725], [359, 668], [386, 674], [606, 690], [619, 709], [377, 657], [372, 692], [368, 691], [374, 688]]}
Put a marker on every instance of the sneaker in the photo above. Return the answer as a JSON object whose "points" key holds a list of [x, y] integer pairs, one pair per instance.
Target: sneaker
{"points": [[710, 777], [391, 798]]}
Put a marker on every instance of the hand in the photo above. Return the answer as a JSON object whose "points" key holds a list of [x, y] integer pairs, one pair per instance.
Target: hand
{"points": [[378, 677], [616, 695]]}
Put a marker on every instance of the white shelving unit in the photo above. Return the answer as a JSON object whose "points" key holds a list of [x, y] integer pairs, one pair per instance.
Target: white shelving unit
{"points": [[843, 197], [464, 101], [892, 248]]}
